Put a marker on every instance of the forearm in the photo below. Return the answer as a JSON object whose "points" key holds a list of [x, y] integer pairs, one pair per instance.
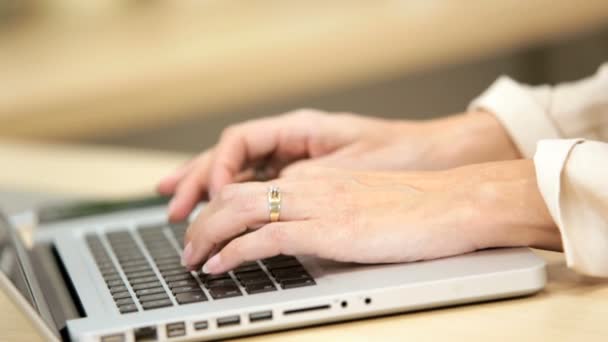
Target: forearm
{"points": [[471, 138], [508, 207]]}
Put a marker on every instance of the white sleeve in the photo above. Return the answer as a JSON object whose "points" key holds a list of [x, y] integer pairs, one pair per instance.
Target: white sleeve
{"points": [[572, 179], [530, 114], [571, 169]]}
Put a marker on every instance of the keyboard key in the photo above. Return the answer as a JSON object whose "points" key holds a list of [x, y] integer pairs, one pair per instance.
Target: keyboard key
{"points": [[108, 272], [246, 282], [121, 295], [248, 268], [105, 264], [190, 297], [219, 282], [188, 288], [207, 277], [144, 286], [130, 257], [252, 275], [154, 304], [115, 289], [220, 292], [293, 283], [169, 260], [135, 263], [127, 308], [165, 256], [155, 296], [180, 276], [114, 282], [180, 283], [260, 287], [143, 280], [290, 273], [112, 277], [136, 268], [174, 271], [286, 263], [143, 292], [140, 274], [277, 258], [124, 301], [171, 267]]}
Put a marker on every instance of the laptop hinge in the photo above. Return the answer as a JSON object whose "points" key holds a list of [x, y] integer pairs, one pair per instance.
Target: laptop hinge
{"points": [[54, 286]]}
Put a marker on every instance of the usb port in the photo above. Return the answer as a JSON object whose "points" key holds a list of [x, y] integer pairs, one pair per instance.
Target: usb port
{"points": [[200, 325], [260, 316], [145, 333], [113, 338], [176, 329], [229, 320]]}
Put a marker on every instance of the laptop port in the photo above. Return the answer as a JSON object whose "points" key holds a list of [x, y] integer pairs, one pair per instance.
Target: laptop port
{"points": [[113, 338], [201, 325], [176, 329], [308, 309], [260, 316], [145, 333], [229, 320]]}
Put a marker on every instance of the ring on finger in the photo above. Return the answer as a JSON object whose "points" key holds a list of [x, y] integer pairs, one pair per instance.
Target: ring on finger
{"points": [[274, 203]]}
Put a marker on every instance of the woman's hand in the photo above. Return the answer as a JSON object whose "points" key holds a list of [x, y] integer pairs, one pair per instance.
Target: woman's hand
{"points": [[295, 141], [372, 217]]}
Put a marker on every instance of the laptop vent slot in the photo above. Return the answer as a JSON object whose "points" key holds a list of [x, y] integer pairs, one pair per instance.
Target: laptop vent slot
{"points": [[308, 309]]}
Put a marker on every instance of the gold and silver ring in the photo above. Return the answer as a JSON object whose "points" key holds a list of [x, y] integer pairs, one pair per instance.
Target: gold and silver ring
{"points": [[274, 203]]}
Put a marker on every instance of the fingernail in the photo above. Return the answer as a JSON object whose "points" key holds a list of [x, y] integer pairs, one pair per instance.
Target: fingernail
{"points": [[172, 205], [187, 254], [212, 264], [212, 192]]}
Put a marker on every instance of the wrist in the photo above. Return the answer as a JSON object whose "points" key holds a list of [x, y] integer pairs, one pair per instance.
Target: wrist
{"points": [[471, 138], [511, 210]]}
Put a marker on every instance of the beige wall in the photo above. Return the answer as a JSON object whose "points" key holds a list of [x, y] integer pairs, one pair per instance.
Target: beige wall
{"points": [[421, 95]]}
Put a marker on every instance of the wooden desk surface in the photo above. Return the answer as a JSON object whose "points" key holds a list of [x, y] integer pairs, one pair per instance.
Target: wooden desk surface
{"points": [[113, 68], [571, 308]]}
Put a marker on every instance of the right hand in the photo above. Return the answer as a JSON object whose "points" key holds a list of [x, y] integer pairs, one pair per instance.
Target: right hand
{"points": [[294, 142]]}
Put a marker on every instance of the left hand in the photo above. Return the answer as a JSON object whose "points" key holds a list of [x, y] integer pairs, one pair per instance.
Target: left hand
{"points": [[374, 217]]}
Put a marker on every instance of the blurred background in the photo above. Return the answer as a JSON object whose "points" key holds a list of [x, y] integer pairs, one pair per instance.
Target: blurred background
{"points": [[169, 75]]}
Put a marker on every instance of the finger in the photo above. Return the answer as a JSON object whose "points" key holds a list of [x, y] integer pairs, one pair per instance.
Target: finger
{"points": [[190, 191], [238, 207], [240, 145], [289, 238], [285, 137], [305, 168], [310, 170], [346, 158], [167, 185]]}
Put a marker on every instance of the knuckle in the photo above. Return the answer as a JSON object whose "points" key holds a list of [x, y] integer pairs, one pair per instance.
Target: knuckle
{"points": [[277, 236], [305, 113], [238, 198], [233, 249], [228, 193], [229, 132], [246, 203]]}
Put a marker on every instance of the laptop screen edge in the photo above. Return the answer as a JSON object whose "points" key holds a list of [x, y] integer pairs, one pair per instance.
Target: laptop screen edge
{"points": [[35, 308]]}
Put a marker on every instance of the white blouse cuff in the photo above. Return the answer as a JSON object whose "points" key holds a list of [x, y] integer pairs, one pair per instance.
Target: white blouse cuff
{"points": [[523, 117], [562, 181]]}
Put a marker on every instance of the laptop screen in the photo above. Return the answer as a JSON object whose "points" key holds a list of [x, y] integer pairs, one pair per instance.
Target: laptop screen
{"points": [[11, 265]]}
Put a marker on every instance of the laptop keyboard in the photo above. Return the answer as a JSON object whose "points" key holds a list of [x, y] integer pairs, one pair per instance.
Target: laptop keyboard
{"points": [[153, 277]]}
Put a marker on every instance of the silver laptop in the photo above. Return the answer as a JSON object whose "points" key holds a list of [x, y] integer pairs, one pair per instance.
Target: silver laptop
{"points": [[117, 277]]}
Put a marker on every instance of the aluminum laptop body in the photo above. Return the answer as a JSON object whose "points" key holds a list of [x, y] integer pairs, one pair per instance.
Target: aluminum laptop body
{"points": [[54, 274]]}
